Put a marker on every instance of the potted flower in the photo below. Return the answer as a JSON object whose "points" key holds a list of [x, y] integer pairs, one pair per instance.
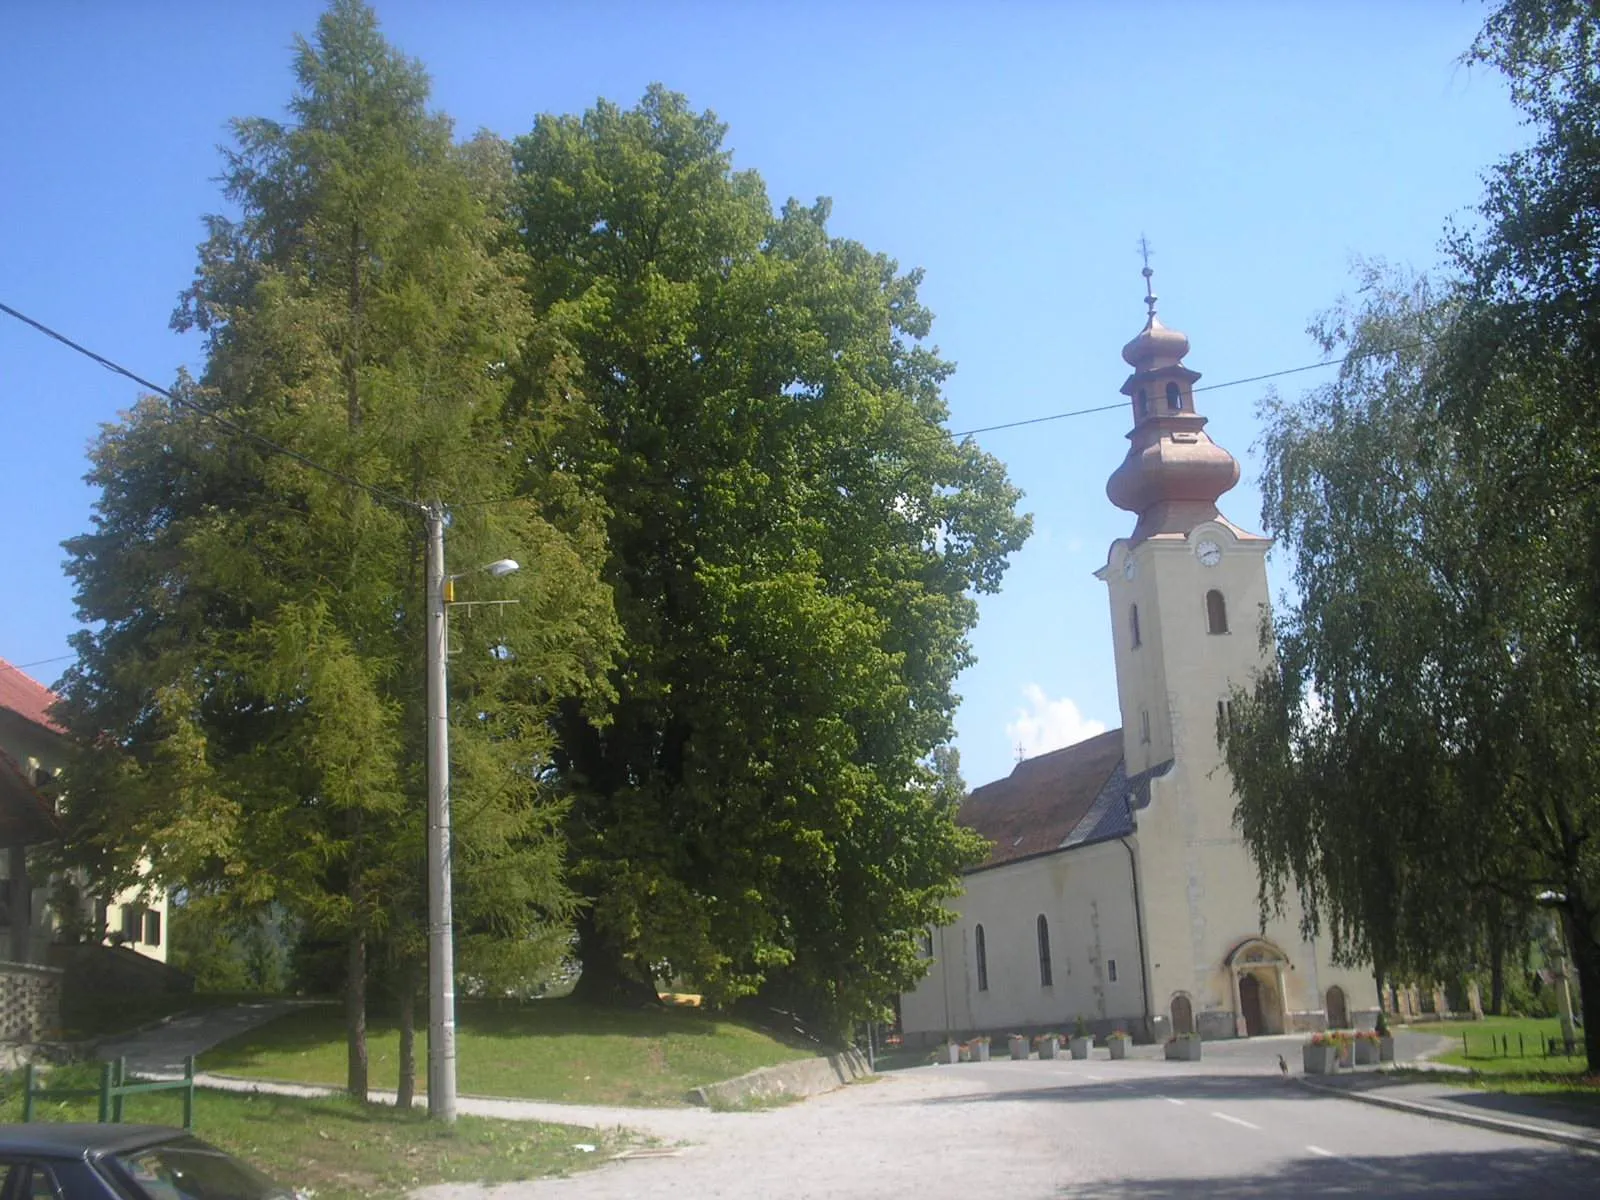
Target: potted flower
{"points": [[1018, 1045], [1081, 1042], [1184, 1047], [1346, 1046], [1366, 1048], [1048, 1044], [980, 1049], [950, 1052], [1117, 1042], [1385, 1039], [1320, 1055]]}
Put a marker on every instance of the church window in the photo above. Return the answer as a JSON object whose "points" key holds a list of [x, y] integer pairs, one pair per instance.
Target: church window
{"points": [[1133, 623], [1144, 726], [1216, 612], [1111, 969], [1225, 714], [1144, 403], [983, 959], [927, 943], [1045, 976], [1174, 397]]}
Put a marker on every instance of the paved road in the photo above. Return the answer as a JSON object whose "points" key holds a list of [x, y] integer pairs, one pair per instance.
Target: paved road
{"points": [[1229, 1127]]}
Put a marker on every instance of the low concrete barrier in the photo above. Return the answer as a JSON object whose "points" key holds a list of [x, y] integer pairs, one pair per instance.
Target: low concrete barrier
{"points": [[803, 1077]]}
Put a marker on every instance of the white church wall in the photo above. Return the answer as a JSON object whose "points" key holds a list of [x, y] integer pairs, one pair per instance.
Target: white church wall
{"points": [[1085, 896]]}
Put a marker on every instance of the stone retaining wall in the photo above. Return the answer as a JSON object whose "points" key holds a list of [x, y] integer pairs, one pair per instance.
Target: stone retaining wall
{"points": [[803, 1077], [30, 1002]]}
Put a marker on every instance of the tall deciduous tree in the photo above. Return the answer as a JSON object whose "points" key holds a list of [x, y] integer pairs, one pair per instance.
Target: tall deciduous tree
{"points": [[795, 542], [249, 697]]}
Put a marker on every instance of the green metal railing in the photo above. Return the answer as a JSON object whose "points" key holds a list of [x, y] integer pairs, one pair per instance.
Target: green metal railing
{"points": [[113, 1090]]}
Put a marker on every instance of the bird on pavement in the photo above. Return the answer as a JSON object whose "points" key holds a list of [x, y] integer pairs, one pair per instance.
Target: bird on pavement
{"points": [[1283, 1067]]}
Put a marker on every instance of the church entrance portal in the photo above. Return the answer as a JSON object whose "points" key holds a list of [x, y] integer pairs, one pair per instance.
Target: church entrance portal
{"points": [[1338, 1011], [1257, 967]]}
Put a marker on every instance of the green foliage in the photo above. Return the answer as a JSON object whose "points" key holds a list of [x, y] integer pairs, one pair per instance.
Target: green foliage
{"points": [[248, 699], [794, 545]]}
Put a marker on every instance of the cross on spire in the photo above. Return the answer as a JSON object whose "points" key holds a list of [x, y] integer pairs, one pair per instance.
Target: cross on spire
{"points": [[1149, 292]]}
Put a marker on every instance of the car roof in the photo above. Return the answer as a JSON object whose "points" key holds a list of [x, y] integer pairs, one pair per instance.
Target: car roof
{"points": [[71, 1140]]}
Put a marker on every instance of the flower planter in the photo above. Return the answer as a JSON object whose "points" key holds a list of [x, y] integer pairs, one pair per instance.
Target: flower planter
{"points": [[1049, 1047], [1385, 1049], [964, 1052], [1118, 1046], [1080, 1046], [1184, 1049], [1320, 1059], [1019, 1048], [950, 1053], [1366, 1052], [980, 1051]]}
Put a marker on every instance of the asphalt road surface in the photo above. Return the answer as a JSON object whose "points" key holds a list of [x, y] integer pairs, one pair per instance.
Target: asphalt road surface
{"points": [[1230, 1127]]}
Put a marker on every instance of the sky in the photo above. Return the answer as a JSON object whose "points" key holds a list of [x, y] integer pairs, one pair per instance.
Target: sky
{"points": [[1015, 152]]}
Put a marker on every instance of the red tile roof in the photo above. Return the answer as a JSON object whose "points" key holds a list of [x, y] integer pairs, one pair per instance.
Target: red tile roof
{"points": [[1035, 809], [25, 696]]}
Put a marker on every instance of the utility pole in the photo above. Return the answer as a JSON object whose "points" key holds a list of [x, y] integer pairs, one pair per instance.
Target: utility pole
{"points": [[441, 938]]}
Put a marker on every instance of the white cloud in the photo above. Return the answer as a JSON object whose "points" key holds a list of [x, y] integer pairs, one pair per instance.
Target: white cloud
{"points": [[1048, 724]]}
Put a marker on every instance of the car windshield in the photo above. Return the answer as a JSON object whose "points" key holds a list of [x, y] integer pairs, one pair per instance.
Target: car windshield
{"points": [[188, 1169]]}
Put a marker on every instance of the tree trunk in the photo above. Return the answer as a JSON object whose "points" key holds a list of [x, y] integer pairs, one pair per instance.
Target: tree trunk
{"points": [[607, 976], [406, 1089], [1585, 948], [1497, 971], [355, 1013]]}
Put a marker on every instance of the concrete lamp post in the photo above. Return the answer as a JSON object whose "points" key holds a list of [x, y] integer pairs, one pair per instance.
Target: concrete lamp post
{"points": [[441, 935]]}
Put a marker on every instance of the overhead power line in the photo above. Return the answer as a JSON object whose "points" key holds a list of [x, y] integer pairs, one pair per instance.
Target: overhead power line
{"points": [[38, 662], [221, 421]]}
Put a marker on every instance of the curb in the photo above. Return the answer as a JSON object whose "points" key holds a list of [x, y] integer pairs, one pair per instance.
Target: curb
{"points": [[1581, 1141]]}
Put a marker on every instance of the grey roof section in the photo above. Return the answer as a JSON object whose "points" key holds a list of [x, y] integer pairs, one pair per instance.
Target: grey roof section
{"points": [[1111, 815]]}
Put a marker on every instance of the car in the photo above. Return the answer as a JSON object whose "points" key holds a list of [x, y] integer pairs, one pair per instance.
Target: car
{"points": [[45, 1161]]}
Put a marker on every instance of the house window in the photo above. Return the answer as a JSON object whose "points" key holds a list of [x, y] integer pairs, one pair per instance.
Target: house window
{"points": [[1174, 397], [1111, 969], [1144, 726], [132, 923], [983, 959], [1133, 623], [152, 927], [1045, 977], [1216, 612]]}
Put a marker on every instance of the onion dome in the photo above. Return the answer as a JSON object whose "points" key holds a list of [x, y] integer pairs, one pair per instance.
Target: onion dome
{"points": [[1173, 472]]}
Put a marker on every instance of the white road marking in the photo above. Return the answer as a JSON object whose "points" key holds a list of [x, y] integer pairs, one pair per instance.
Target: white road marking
{"points": [[1096, 1078], [1354, 1162], [1170, 1100], [1235, 1120], [1321, 1151]]}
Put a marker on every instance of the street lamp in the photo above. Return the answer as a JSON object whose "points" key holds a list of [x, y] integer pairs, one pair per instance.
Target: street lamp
{"points": [[441, 937]]}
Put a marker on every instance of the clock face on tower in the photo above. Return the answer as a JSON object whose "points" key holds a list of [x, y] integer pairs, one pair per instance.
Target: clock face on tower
{"points": [[1209, 553]]}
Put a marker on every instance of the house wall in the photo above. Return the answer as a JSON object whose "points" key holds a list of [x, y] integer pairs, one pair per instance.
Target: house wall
{"points": [[1085, 895], [34, 748]]}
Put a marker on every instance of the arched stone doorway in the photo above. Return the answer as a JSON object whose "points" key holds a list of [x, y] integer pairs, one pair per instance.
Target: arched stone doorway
{"points": [[1338, 1010], [1182, 1014], [1257, 968]]}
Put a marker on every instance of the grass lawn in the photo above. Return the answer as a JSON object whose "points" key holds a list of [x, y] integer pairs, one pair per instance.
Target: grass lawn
{"points": [[86, 1014], [1525, 1070], [539, 1050], [341, 1150]]}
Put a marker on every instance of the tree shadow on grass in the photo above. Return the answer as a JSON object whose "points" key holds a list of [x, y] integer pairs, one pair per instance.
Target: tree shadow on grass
{"points": [[1551, 1174]]}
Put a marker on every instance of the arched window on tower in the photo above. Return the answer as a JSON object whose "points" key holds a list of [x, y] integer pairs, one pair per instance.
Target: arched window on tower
{"points": [[1216, 612], [1174, 397], [982, 954], [1144, 403], [1046, 977], [1133, 624]]}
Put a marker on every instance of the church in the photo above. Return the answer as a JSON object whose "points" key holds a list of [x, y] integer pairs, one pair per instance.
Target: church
{"points": [[1117, 891]]}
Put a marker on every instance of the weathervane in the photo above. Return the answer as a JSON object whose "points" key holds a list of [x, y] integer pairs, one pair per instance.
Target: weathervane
{"points": [[1149, 293]]}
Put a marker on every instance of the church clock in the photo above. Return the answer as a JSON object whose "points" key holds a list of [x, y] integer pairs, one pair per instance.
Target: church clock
{"points": [[1209, 553]]}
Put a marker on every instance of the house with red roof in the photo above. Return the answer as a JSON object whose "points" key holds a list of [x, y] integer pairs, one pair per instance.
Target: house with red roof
{"points": [[37, 912]]}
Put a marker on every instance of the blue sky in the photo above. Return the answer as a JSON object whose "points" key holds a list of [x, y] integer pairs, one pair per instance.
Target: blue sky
{"points": [[1014, 151]]}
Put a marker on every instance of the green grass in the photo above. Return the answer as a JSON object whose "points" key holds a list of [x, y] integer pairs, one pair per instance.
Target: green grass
{"points": [[1478, 1045], [339, 1149], [539, 1050], [86, 1015]]}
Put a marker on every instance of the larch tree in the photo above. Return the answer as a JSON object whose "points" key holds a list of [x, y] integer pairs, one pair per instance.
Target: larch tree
{"points": [[795, 543], [249, 700]]}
